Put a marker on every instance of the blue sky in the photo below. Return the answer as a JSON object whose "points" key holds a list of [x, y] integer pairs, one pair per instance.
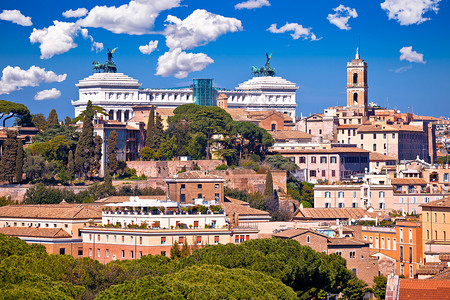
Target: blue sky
{"points": [[222, 40]]}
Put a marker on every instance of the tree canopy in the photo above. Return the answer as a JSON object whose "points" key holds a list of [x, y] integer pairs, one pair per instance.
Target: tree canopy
{"points": [[10, 109]]}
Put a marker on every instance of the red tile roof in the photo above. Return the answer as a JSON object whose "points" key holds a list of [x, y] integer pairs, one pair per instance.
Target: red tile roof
{"points": [[408, 181], [291, 233], [196, 175], [332, 213], [444, 202], [242, 210], [375, 156], [424, 289], [49, 211], [290, 134], [35, 232]]}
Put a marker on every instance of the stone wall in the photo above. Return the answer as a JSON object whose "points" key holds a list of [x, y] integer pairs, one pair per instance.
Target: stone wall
{"points": [[17, 192], [249, 180], [165, 169]]}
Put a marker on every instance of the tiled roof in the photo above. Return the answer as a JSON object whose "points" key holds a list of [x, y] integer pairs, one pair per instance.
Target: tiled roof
{"points": [[444, 275], [222, 96], [291, 233], [349, 126], [335, 150], [424, 289], [35, 232], [331, 213], [242, 210], [444, 202], [290, 134], [196, 175], [408, 181], [236, 201], [431, 268], [375, 156], [388, 128], [49, 211], [347, 242]]}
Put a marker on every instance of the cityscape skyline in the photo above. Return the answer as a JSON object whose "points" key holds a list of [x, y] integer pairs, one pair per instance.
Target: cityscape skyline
{"points": [[166, 44]]}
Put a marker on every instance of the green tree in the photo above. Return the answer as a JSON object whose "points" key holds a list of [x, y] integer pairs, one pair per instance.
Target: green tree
{"points": [[96, 158], [379, 289], [11, 109], [52, 118], [168, 148], [185, 251], [56, 149], [279, 162], [19, 161], [268, 191], [197, 146], [175, 252], [113, 163], [355, 289], [39, 121], [85, 151], [37, 168], [67, 121], [149, 138], [250, 138], [70, 165], [146, 153], [9, 156], [159, 132]]}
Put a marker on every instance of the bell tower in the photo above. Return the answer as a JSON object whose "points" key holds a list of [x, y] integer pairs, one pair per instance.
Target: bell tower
{"points": [[357, 88]]}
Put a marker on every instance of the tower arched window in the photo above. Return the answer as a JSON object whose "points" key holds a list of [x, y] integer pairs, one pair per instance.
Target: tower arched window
{"points": [[355, 78], [355, 99]]}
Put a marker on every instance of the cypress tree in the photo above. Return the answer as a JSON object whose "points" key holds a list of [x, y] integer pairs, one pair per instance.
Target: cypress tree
{"points": [[175, 251], [159, 132], [185, 251], [96, 158], [150, 128], [52, 117], [268, 191], [67, 120], [70, 165], [113, 163], [19, 161], [85, 147], [9, 155]]}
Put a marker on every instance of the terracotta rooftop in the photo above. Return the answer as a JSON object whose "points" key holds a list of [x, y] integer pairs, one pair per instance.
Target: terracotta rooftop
{"points": [[424, 289], [50, 211], [222, 96], [375, 156], [331, 213], [290, 134], [196, 175], [242, 210], [236, 201], [35, 232], [444, 202], [349, 126], [347, 242], [291, 233], [388, 128], [408, 181]]}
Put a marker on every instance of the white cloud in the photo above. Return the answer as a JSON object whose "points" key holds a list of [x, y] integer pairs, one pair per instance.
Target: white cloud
{"points": [[179, 63], [251, 4], [341, 16], [136, 17], [15, 16], [401, 69], [78, 13], [299, 31], [408, 12], [97, 46], [48, 94], [407, 53], [199, 28], [14, 78], [147, 49]]}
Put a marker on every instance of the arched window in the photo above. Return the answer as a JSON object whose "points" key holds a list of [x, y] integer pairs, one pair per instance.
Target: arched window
{"points": [[355, 98], [355, 78]]}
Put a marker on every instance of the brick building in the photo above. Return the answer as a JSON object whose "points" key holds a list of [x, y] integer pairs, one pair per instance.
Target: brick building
{"points": [[190, 185], [306, 237]]}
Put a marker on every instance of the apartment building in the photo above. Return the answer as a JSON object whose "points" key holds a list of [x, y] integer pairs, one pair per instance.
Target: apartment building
{"points": [[331, 165]]}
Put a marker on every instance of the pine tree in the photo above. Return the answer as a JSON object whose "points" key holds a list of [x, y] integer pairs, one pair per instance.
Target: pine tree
{"points": [[85, 147], [175, 251], [113, 163], [9, 155], [67, 120], [19, 161], [150, 128], [70, 165], [52, 118], [159, 132]]}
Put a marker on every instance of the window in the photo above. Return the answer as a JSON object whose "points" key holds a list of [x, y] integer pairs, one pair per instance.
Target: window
{"points": [[199, 240], [374, 147], [107, 253], [98, 237], [394, 244], [217, 196], [182, 198], [382, 243], [381, 194], [393, 135], [411, 274], [163, 240], [195, 224], [216, 239], [199, 186], [313, 159], [216, 186], [62, 251], [354, 204], [333, 173], [410, 254], [312, 173], [308, 239], [180, 240], [302, 159], [374, 136], [385, 146], [381, 205], [341, 205], [323, 173], [388, 244], [355, 78], [402, 200], [352, 254], [140, 240], [323, 159], [402, 269], [401, 235], [107, 238], [355, 99], [327, 205], [163, 253], [428, 234], [123, 253], [140, 254], [435, 217], [401, 253], [183, 186], [123, 239], [98, 252], [338, 253], [384, 136], [320, 131], [333, 159], [90, 251], [131, 254], [90, 237], [327, 195], [80, 251], [340, 194]]}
